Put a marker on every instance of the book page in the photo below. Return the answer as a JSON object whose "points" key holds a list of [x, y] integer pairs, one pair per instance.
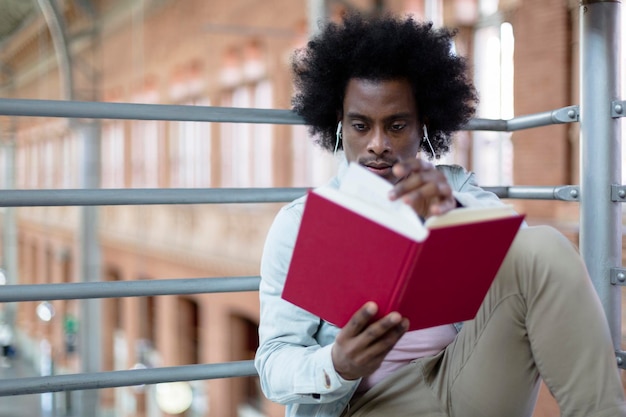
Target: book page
{"points": [[368, 195], [469, 214]]}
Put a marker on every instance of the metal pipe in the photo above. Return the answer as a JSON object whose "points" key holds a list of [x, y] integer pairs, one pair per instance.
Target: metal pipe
{"points": [[600, 151], [148, 196], [493, 125], [559, 116], [9, 217], [561, 193], [90, 262], [114, 289], [145, 196], [131, 111], [9, 230], [113, 379], [186, 113]]}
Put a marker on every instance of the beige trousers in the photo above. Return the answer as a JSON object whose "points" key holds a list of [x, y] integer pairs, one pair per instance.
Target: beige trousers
{"points": [[540, 318]]}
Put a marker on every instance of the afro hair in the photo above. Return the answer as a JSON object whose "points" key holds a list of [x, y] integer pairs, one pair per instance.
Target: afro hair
{"points": [[383, 48]]}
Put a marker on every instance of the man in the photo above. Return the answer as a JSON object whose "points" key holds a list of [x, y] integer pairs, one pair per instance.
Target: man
{"points": [[386, 91]]}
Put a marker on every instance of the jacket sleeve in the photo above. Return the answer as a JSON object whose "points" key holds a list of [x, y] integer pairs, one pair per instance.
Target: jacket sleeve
{"points": [[292, 364], [465, 189]]}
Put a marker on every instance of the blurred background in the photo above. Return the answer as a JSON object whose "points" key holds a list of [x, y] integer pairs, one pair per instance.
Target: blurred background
{"points": [[524, 58]]}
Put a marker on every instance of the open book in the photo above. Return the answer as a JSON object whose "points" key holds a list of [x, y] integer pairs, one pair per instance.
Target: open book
{"points": [[355, 245]]}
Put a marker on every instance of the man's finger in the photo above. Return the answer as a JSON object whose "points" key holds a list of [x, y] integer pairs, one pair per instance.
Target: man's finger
{"points": [[405, 167], [360, 320], [383, 339]]}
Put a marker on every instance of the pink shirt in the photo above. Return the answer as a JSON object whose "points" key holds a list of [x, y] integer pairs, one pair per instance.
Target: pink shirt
{"points": [[411, 346]]}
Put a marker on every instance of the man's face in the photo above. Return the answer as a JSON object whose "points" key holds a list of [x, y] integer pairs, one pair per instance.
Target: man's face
{"points": [[380, 124]]}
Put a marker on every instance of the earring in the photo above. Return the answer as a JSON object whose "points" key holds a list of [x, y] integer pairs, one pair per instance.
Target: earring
{"points": [[427, 140], [338, 136]]}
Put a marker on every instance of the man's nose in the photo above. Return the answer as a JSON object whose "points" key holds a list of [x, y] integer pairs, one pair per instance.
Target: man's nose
{"points": [[379, 142]]}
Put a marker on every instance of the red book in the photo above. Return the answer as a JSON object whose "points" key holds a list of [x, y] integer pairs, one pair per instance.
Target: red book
{"points": [[349, 251]]}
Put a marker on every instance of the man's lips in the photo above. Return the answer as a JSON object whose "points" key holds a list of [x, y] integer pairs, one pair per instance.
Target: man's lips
{"points": [[383, 170]]}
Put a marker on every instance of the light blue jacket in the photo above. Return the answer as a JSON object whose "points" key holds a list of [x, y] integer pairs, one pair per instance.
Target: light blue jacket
{"points": [[294, 356]]}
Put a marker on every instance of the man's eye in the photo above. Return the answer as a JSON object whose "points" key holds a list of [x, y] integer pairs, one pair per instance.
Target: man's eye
{"points": [[359, 126], [398, 126]]}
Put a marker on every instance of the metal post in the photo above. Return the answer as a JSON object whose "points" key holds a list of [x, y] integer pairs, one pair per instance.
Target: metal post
{"points": [[90, 347], [89, 258], [9, 231], [600, 150]]}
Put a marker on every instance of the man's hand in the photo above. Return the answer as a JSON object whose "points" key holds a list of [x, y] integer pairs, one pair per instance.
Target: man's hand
{"points": [[360, 347], [423, 187]]}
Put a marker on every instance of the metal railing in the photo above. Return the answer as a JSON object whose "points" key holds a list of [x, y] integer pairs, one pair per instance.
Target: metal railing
{"points": [[599, 171], [88, 197]]}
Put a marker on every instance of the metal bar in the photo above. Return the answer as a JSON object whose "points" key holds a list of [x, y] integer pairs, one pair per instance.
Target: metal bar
{"points": [[114, 289], [149, 196], [494, 125], [561, 193], [183, 113], [568, 114], [146, 196], [559, 116], [9, 220], [130, 111], [600, 150], [113, 379]]}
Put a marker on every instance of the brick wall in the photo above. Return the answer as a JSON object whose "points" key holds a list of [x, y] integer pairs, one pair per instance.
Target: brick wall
{"points": [[543, 80]]}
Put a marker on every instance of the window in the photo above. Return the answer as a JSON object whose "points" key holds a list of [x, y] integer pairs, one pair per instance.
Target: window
{"points": [[433, 10], [190, 152], [488, 7], [145, 140], [34, 161], [69, 157], [20, 166], [252, 404], [188, 331], [247, 159], [493, 151], [235, 143], [262, 137], [113, 155], [312, 165], [190, 143], [48, 159], [3, 164], [247, 148]]}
